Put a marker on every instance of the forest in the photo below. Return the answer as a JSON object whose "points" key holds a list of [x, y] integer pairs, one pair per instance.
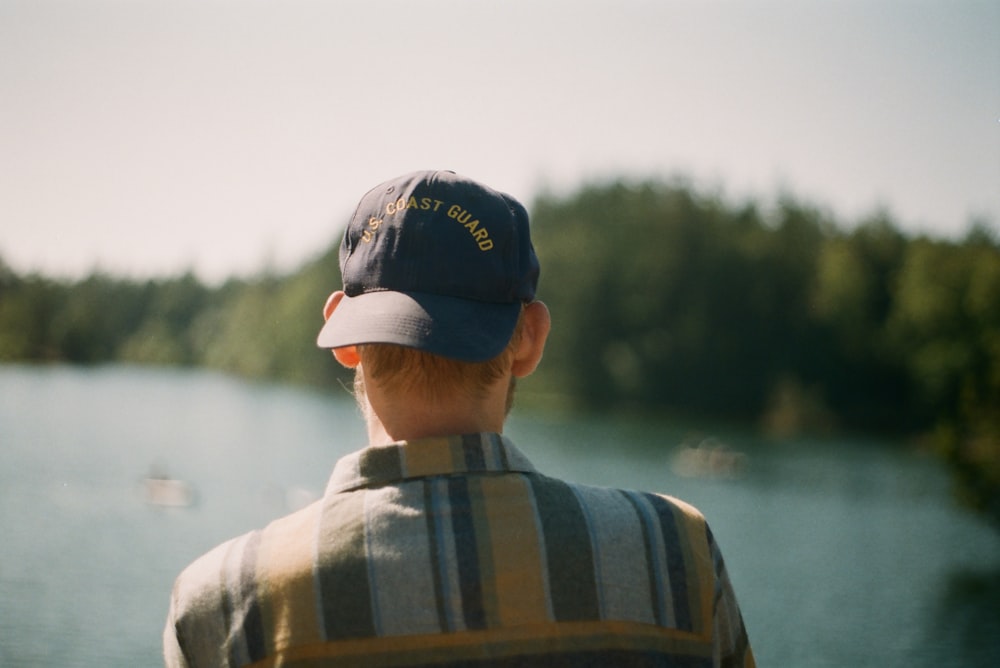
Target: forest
{"points": [[666, 300]]}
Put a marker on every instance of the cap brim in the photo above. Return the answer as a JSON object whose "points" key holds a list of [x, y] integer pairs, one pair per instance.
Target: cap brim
{"points": [[462, 329]]}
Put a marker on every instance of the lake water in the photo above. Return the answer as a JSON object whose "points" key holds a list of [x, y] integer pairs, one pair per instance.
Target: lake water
{"points": [[842, 552]]}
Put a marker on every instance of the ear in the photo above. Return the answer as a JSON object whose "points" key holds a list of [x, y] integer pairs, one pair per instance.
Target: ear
{"points": [[347, 356], [331, 303], [534, 332]]}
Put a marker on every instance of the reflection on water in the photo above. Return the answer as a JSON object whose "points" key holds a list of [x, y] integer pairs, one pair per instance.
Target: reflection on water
{"points": [[843, 553]]}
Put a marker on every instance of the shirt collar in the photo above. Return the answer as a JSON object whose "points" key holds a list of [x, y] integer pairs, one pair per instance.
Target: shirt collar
{"points": [[471, 453]]}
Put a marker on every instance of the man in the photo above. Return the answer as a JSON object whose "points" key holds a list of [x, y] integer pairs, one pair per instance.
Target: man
{"points": [[439, 543]]}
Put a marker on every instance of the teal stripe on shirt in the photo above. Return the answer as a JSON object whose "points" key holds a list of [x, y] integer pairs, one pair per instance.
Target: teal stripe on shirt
{"points": [[467, 552], [449, 599], [568, 550], [657, 577], [435, 530], [676, 568], [472, 450]]}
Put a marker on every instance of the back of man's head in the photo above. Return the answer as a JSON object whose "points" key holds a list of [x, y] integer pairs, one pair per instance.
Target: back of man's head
{"points": [[434, 262]]}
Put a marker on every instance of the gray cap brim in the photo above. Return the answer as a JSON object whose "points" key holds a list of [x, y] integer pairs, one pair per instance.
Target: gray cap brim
{"points": [[461, 329]]}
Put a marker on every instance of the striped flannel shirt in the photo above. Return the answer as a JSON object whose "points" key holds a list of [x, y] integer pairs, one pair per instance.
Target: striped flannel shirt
{"points": [[456, 551]]}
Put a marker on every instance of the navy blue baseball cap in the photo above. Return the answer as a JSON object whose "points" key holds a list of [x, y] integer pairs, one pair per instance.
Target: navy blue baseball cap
{"points": [[434, 261]]}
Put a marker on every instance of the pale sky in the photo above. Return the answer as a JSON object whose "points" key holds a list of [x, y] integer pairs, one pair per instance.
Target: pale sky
{"points": [[148, 137]]}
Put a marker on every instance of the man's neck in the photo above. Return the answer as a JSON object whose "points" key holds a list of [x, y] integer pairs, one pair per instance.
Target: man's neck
{"points": [[427, 427], [392, 417]]}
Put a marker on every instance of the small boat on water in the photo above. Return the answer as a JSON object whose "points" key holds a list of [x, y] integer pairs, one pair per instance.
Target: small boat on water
{"points": [[709, 459], [168, 492], [160, 490]]}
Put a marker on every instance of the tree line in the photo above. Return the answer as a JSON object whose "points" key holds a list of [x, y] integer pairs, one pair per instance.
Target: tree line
{"points": [[665, 298]]}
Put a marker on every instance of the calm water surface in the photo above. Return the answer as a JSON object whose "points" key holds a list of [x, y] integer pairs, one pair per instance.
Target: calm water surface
{"points": [[843, 553]]}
